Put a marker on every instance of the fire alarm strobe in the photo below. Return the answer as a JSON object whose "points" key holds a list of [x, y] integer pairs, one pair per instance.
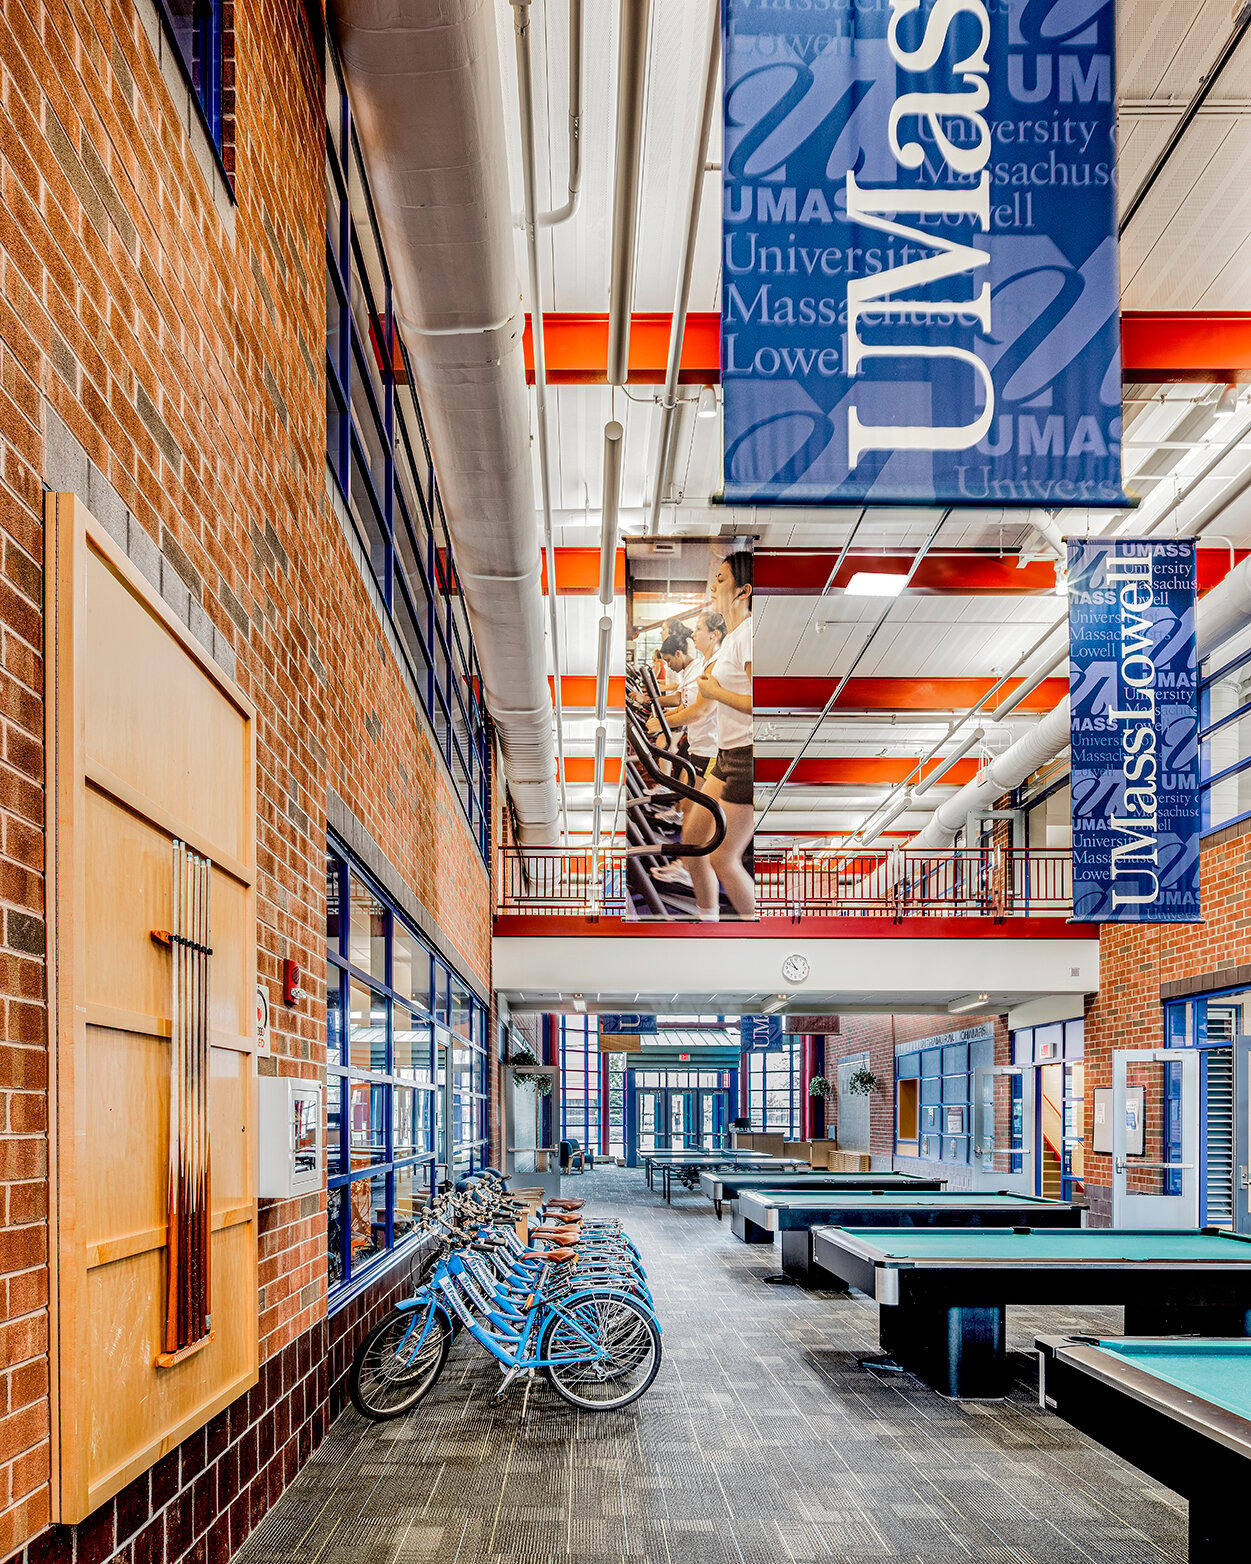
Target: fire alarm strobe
{"points": [[292, 993]]}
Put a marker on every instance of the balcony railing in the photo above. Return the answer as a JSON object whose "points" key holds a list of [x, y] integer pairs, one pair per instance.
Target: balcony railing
{"points": [[992, 882]]}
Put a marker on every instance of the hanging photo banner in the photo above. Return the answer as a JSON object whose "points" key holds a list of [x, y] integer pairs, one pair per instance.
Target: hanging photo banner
{"points": [[627, 1023], [1134, 718], [920, 298]]}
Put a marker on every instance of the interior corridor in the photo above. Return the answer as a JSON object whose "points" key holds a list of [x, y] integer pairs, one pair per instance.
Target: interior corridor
{"points": [[762, 1440]]}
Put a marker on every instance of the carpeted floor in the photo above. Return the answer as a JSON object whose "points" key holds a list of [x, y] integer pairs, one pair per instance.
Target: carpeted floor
{"points": [[763, 1439]]}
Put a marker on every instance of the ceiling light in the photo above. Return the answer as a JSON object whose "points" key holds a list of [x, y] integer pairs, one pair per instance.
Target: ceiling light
{"points": [[1226, 403], [875, 583], [707, 403], [969, 1002], [777, 1003]]}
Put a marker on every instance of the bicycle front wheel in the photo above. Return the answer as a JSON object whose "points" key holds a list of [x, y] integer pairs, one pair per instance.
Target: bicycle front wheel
{"points": [[627, 1338], [393, 1368]]}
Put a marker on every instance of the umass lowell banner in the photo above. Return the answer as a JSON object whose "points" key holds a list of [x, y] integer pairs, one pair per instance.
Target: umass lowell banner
{"points": [[919, 274], [1134, 715]]}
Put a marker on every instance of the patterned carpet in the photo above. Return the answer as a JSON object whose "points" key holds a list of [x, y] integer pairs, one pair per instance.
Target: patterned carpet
{"points": [[762, 1441]]}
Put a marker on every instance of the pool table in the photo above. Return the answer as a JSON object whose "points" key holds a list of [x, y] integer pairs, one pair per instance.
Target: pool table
{"points": [[687, 1165], [942, 1291], [720, 1187], [793, 1214], [1178, 1410]]}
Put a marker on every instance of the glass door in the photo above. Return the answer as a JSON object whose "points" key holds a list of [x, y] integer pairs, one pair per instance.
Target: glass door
{"points": [[1155, 1138], [1003, 1126], [653, 1129]]}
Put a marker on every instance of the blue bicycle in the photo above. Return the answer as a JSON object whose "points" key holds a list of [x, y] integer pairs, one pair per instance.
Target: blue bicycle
{"points": [[596, 1339]]}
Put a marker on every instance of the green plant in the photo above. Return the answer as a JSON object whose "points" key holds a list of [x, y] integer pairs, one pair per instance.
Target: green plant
{"points": [[863, 1081], [819, 1086]]}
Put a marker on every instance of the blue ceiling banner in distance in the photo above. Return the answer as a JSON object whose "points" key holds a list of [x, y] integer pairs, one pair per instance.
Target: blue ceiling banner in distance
{"points": [[920, 292], [762, 1033], [627, 1024], [1134, 723]]}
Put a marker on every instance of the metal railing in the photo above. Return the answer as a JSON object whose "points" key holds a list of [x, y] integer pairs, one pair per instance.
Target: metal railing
{"points": [[991, 882]]}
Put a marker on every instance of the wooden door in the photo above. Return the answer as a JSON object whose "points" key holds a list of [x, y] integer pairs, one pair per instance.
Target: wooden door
{"points": [[148, 743]]}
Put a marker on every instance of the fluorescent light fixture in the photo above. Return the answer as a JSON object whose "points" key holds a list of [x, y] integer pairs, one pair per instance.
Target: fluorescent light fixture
{"points": [[875, 583], [778, 1002], [1226, 403], [969, 1002], [707, 403]]}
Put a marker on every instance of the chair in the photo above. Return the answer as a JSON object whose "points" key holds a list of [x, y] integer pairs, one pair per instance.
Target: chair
{"points": [[573, 1159]]}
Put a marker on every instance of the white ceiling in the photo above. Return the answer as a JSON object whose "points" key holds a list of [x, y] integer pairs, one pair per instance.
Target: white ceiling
{"points": [[1188, 248]]}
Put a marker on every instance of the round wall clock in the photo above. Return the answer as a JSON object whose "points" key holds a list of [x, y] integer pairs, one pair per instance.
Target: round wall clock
{"points": [[795, 969]]}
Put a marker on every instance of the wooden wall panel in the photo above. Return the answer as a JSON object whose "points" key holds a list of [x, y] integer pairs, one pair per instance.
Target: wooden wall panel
{"points": [[147, 742]]}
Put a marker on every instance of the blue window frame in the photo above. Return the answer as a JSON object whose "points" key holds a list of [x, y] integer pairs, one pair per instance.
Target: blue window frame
{"points": [[406, 1093], [377, 449], [580, 1104], [943, 1070], [195, 26], [1225, 742], [775, 1089]]}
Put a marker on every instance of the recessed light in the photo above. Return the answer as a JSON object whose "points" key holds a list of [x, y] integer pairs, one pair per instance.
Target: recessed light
{"points": [[875, 583]]}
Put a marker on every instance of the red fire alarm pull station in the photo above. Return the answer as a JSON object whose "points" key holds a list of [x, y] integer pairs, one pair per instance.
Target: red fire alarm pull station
{"points": [[292, 993]]}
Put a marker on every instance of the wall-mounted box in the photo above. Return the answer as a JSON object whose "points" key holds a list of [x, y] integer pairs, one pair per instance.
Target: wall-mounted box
{"points": [[290, 1150]]}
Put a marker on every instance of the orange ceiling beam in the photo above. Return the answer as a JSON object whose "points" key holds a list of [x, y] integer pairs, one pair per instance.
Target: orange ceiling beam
{"points": [[870, 694], [812, 771], [1156, 345], [577, 692]]}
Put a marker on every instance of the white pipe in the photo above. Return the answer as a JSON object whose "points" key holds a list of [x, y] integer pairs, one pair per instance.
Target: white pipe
{"points": [[525, 97], [609, 515], [562, 214], [631, 77], [957, 754], [603, 661], [686, 262], [425, 90], [601, 744]]}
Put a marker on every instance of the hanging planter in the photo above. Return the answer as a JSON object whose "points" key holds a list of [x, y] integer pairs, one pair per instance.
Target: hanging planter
{"points": [[819, 1086], [862, 1082]]}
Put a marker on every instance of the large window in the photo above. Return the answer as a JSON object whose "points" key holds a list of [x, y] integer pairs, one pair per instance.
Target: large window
{"points": [[378, 452], [1225, 736], [580, 1108], [406, 1073], [775, 1089], [198, 34]]}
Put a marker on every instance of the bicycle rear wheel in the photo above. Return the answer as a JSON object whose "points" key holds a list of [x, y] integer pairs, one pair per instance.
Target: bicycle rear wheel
{"points": [[627, 1335], [390, 1373]]}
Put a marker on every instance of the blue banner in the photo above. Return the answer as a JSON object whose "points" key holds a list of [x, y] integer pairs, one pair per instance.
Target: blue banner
{"points": [[920, 298], [627, 1025], [764, 1033], [1134, 717]]}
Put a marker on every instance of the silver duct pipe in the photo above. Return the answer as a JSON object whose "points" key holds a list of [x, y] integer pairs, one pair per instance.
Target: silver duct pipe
{"points": [[686, 261], [423, 77], [631, 77], [525, 100]]}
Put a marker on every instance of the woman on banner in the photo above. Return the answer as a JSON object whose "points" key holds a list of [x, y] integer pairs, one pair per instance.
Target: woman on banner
{"points": [[693, 717], [726, 683]]}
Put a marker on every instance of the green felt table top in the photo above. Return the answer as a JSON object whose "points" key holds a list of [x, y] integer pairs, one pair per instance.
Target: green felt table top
{"points": [[818, 1182], [1078, 1244], [820, 1200], [1217, 1371]]}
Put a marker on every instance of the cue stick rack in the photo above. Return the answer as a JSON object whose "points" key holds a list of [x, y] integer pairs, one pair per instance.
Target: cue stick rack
{"points": [[188, 1320]]}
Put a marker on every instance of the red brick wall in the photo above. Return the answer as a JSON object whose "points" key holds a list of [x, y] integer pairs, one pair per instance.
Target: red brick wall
{"points": [[879, 1035], [161, 354], [1136, 960]]}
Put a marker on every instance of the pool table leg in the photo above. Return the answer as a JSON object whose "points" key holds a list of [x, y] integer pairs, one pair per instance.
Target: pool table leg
{"points": [[716, 1206], [798, 1264], [750, 1232], [958, 1350]]}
